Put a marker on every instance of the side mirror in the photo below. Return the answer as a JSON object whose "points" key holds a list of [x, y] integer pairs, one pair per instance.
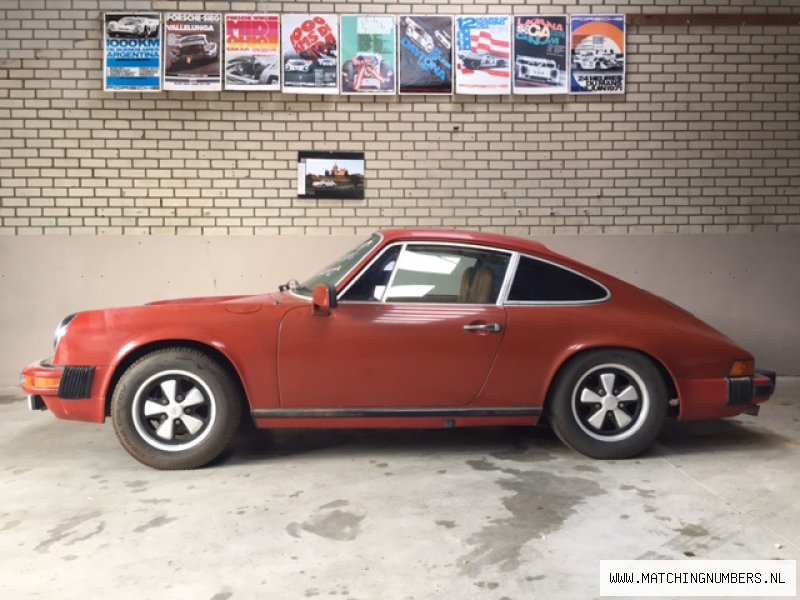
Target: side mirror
{"points": [[323, 300]]}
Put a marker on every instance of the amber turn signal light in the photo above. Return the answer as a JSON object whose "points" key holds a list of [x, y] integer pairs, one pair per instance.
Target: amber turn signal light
{"points": [[42, 383], [742, 368]]}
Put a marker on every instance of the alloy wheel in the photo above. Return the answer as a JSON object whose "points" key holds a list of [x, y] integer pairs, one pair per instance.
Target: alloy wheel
{"points": [[173, 410], [610, 402]]}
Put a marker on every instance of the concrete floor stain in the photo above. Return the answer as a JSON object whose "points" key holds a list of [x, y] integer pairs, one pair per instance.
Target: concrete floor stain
{"points": [[331, 522], [692, 530], [540, 504], [158, 521], [68, 530]]}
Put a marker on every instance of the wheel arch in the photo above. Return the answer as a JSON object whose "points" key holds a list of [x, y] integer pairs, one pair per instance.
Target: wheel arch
{"points": [[136, 353], [666, 376]]}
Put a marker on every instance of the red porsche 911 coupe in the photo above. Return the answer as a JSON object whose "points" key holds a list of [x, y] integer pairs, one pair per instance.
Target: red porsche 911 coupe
{"points": [[411, 329]]}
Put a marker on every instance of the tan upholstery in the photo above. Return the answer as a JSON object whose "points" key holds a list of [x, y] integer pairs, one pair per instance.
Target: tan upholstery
{"points": [[480, 292], [466, 284]]}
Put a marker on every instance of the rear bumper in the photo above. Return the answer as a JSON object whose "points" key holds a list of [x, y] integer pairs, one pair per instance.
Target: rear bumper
{"points": [[69, 392], [724, 396]]}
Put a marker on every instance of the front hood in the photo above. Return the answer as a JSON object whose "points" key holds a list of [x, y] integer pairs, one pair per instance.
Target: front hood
{"points": [[197, 300], [242, 303]]}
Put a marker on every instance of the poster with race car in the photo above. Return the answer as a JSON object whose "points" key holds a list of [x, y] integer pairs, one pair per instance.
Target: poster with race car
{"points": [[310, 46], [540, 54], [483, 54], [252, 52], [132, 52], [426, 54], [368, 54], [192, 56], [597, 54]]}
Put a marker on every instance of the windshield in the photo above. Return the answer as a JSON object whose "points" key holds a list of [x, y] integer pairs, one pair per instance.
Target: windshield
{"points": [[335, 272]]}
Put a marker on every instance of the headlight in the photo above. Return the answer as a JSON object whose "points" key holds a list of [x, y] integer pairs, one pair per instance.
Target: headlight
{"points": [[61, 329]]}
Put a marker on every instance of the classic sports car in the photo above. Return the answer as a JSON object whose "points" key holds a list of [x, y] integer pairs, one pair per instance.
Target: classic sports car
{"points": [[443, 37], [298, 64], [590, 58], [251, 70], [327, 61], [133, 26], [529, 68], [193, 48], [481, 60], [417, 329], [324, 183], [417, 34]]}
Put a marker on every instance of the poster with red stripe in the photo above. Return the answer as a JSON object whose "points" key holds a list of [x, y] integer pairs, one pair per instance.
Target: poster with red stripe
{"points": [[252, 52], [483, 54]]}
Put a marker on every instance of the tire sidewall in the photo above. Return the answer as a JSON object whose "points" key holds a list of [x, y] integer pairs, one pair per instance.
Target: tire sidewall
{"points": [[227, 408], [563, 419]]}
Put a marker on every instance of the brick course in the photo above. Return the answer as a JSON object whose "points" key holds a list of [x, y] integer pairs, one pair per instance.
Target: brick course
{"points": [[706, 139]]}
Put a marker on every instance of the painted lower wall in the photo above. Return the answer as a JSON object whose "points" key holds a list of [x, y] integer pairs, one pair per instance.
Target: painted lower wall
{"points": [[746, 285]]}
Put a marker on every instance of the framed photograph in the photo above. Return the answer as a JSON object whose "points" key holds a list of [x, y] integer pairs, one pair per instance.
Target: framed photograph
{"points": [[368, 54], [540, 54], [331, 175], [426, 54], [193, 52], [483, 54], [132, 52], [310, 54], [252, 52], [597, 54]]}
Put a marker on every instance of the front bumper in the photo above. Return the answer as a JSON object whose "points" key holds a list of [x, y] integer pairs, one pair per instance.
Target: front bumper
{"points": [[725, 396], [69, 392]]}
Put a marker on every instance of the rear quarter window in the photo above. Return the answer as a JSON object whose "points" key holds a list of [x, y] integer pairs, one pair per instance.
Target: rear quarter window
{"points": [[539, 281]]}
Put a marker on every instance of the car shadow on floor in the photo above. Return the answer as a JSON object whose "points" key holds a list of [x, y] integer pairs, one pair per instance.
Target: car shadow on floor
{"points": [[536, 443], [265, 445], [727, 435]]}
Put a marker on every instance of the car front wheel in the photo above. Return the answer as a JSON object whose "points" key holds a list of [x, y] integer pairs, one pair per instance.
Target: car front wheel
{"points": [[608, 404], [175, 409]]}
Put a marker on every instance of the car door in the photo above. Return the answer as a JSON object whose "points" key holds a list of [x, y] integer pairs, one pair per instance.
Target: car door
{"points": [[420, 327]]}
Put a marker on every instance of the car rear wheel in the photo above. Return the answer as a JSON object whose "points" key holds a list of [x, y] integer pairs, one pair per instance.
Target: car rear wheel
{"points": [[175, 409], [608, 404]]}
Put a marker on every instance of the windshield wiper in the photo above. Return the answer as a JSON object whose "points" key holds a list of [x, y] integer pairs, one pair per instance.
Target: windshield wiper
{"points": [[289, 285]]}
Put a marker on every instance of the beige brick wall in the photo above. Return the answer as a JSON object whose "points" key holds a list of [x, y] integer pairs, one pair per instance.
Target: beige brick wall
{"points": [[706, 139]]}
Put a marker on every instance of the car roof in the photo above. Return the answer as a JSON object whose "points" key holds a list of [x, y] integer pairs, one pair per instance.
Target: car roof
{"points": [[506, 242]]}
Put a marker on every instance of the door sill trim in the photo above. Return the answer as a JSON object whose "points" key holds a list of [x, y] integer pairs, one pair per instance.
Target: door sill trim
{"points": [[357, 413]]}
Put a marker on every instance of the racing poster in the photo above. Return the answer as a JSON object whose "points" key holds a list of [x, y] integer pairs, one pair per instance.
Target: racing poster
{"points": [[540, 55], [132, 52], [192, 59], [426, 54], [369, 60], [252, 52], [483, 55], [597, 54], [310, 54]]}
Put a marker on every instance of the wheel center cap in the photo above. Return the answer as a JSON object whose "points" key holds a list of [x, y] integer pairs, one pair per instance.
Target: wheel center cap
{"points": [[609, 402], [174, 411]]}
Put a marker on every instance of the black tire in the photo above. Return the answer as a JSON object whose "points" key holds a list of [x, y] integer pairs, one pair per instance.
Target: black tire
{"points": [[580, 400], [214, 413]]}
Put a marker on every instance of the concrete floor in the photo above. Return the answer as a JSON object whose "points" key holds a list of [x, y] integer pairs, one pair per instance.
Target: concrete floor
{"points": [[497, 513]]}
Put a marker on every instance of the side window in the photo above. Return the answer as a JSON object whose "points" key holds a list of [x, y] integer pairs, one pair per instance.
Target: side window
{"points": [[538, 281], [371, 285], [449, 274]]}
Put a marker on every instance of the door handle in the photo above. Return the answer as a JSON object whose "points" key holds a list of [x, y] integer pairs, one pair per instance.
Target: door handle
{"points": [[488, 327]]}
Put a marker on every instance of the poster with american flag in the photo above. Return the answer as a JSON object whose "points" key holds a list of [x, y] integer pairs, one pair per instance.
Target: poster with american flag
{"points": [[483, 51]]}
